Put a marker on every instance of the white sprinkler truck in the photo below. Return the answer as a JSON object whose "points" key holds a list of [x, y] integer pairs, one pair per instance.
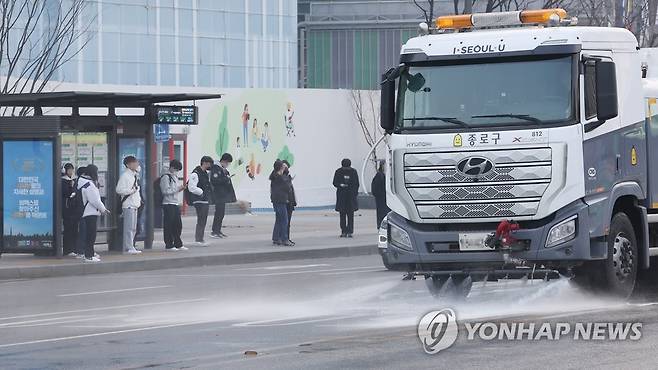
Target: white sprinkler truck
{"points": [[521, 146]]}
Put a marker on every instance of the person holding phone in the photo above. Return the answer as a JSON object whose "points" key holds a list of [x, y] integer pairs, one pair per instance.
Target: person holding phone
{"points": [[223, 193], [279, 195]]}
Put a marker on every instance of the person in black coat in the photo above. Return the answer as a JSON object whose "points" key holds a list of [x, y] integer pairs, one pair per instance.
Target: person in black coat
{"points": [[292, 199], [223, 193], [346, 181], [378, 188], [279, 194], [70, 233]]}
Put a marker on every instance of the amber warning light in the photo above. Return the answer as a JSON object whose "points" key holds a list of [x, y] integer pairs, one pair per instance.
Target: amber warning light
{"points": [[483, 20]]}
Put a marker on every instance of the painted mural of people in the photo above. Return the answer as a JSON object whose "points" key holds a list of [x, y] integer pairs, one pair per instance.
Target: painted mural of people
{"points": [[254, 132], [245, 124], [288, 116], [251, 167], [265, 137]]}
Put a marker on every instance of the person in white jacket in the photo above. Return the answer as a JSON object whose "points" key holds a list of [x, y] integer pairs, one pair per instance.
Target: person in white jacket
{"points": [[94, 207], [128, 190]]}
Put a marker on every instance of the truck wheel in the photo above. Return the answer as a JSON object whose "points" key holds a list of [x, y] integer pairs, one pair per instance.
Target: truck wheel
{"points": [[386, 263], [455, 287], [616, 274]]}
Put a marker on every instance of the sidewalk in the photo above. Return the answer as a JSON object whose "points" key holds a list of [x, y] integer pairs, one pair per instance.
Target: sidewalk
{"points": [[315, 233]]}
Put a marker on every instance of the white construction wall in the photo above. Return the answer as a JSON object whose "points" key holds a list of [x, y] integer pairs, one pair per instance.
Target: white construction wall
{"points": [[325, 131], [322, 131]]}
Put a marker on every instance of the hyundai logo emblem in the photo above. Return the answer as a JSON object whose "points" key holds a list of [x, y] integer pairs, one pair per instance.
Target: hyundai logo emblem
{"points": [[475, 166]]}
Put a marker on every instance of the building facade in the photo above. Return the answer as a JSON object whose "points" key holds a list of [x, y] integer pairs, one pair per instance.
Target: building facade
{"points": [[348, 44], [205, 43]]}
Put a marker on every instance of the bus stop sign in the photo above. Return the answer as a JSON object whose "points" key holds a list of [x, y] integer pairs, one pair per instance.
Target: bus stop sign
{"points": [[161, 133]]}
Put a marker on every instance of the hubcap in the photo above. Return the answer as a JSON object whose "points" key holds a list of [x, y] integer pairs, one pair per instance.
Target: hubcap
{"points": [[622, 257]]}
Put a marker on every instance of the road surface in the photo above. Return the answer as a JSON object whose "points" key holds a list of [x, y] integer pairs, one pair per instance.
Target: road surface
{"points": [[320, 314]]}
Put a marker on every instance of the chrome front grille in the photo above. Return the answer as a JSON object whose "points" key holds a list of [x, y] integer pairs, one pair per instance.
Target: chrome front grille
{"points": [[512, 188]]}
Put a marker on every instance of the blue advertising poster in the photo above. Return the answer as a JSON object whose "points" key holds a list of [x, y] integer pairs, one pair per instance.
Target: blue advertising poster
{"points": [[28, 194], [136, 148]]}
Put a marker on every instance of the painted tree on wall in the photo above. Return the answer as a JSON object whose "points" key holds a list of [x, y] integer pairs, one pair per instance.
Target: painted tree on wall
{"points": [[221, 145], [286, 155]]}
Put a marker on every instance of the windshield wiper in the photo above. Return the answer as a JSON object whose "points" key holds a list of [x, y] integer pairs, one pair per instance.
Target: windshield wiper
{"points": [[525, 117], [452, 120]]}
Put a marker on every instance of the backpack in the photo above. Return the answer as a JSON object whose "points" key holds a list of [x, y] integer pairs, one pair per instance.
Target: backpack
{"points": [[76, 204], [158, 197], [187, 196]]}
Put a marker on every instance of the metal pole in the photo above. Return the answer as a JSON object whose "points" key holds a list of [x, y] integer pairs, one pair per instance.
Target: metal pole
{"points": [[185, 169], [150, 175]]}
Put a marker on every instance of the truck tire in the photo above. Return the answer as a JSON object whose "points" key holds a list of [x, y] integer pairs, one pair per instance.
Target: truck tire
{"points": [[454, 287], [616, 275], [386, 263]]}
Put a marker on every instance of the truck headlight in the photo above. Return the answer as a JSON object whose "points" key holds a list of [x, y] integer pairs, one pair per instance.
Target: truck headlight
{"points": [[562, 232], [399, 238]]}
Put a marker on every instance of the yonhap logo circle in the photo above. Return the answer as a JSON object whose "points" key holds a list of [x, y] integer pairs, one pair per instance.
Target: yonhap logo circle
{"points": [[437, 330]]}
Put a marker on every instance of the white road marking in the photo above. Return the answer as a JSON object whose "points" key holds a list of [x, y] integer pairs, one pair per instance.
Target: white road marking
{"points": [[115, 290], [58, 321], [59, 339], [103, 308], [351, 272], [283, 267], [312, 271], [39, 321], [277, 322], [644, 304]]}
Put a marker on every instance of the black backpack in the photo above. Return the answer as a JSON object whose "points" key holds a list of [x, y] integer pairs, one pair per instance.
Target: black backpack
{"points": [[76, 204], [187, 196], [158, 197]]}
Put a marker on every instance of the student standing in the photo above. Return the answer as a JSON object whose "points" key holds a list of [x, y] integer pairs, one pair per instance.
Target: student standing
{"points": [[346, 182], [173, 225], [200, 195], [279, 193], [69, 216], [128, 190], [80, 239], [378, 188], [93, 207], [223, 192], [292, 199]]}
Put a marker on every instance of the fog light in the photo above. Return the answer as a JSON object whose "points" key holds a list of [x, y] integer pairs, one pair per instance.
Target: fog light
{"points": [[562, 232]]}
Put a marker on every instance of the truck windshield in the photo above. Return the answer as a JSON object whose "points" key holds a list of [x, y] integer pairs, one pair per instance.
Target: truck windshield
{"points": [[529, 92]]}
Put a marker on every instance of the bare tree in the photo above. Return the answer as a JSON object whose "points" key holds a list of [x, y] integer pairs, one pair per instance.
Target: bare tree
{"points": [[427, 10], [366, 112], [37, 37]]}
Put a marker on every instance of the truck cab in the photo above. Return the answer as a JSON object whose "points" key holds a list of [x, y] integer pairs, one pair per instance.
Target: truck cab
{"points": [[517, 147]]}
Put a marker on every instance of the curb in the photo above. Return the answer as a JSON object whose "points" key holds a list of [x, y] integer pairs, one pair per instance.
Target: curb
{"points": [[35, 272]]}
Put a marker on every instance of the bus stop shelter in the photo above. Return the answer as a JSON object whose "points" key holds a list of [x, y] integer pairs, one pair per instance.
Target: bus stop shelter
{"points": [[34, 147]]}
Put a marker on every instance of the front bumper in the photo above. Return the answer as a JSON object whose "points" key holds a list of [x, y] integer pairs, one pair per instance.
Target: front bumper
{"points": [[436, 246]]}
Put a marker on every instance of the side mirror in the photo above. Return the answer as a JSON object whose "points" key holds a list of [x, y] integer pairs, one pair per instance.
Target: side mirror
{"points": [[606, 90], [387, 106]]}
